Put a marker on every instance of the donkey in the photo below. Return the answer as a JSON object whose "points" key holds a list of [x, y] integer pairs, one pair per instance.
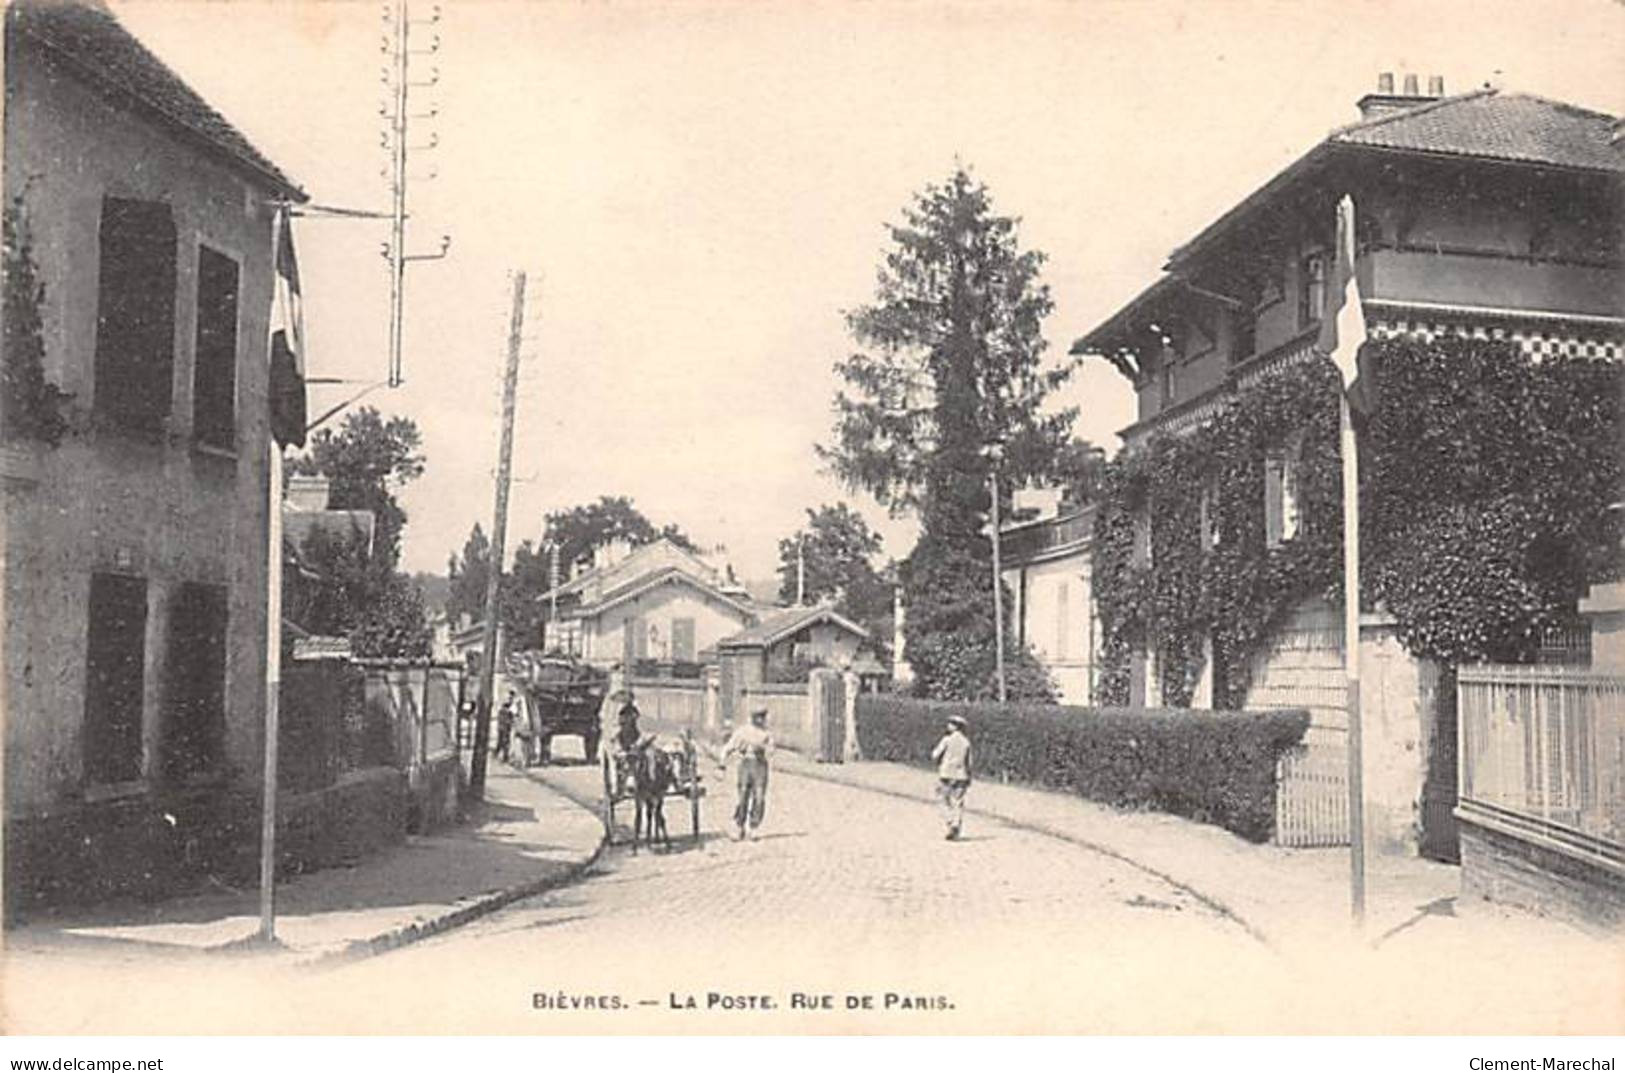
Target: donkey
{"points": [[650, 774]]}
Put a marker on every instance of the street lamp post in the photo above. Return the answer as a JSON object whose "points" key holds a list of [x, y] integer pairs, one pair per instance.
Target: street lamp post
{"points": [[994, 453]]}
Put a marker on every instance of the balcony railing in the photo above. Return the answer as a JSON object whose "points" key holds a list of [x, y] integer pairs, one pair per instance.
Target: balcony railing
{"points": [[1543, 753], [1037, 539]]}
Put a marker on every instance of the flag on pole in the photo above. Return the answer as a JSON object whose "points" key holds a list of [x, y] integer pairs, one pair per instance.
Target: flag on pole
{"points": [[1342, 326], [287, 341]]}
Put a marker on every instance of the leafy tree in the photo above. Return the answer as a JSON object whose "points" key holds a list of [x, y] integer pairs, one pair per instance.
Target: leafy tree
{"points": [[580, 530], [469, 574], [952, 362], [381, 612], [1079, 470], [359, 594], [838, 550], [368, 460]]}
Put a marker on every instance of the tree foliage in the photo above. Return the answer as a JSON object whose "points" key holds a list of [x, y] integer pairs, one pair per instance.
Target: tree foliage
{"points": [[31, 406], [952, 361], [838, 550], [380, 611], [577, 532], [1486, 482], [368, 460], [358, 594]]}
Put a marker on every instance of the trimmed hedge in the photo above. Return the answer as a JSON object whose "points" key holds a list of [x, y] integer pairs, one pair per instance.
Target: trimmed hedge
{"points": [[1214, 767]]}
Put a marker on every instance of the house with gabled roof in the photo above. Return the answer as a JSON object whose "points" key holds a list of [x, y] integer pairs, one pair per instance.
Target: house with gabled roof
{"points": [[135, 542], [1488, 215], [658, 602]]}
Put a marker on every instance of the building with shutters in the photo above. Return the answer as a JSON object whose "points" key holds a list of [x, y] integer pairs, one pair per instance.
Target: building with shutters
{"points": [[135, 547], [657, 603]]}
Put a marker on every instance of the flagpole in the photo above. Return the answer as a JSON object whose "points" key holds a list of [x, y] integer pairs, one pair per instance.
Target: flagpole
{"points": [[1351, 657], [273, 685]]}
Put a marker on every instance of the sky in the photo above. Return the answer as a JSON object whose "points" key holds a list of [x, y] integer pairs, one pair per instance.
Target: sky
{"points": [[698, 190]]}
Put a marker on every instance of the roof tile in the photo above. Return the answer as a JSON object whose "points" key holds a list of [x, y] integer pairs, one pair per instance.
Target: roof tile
{"points": [[104, 53], [1499, 126]]}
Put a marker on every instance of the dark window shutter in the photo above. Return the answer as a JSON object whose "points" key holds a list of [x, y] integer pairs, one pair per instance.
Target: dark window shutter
{"points": [[214, 370], [195, 713], [135, 315], [115, 654]]}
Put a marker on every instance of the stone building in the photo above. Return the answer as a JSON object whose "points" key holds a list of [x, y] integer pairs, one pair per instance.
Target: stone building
{"points": [[135, 548]]}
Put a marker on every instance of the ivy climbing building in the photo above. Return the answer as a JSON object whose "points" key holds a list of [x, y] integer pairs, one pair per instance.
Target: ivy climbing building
{"points": [[1489, 264]]}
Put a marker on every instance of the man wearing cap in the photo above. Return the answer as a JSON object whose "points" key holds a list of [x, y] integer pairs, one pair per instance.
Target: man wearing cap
{"points": [[754, 745], [628, 735], [952, 755]]}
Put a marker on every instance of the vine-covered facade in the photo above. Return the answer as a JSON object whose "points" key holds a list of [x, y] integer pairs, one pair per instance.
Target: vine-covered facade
{"points": [[1489, 265]]}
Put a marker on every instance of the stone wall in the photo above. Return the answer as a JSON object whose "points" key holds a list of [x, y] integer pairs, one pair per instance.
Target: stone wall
{"points": [[153, 847], [1501, 867]]}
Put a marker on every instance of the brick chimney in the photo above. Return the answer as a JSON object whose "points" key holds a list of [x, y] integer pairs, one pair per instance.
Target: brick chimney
{"points": [[1386, 102]]}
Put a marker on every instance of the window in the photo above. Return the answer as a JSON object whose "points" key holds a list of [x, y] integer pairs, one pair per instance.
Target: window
{"points": [[682, 639], [194, 728], [1208, 522], [135, 315], [115, 656], [214, 371], [1311, 289], [1170, 385], [1142, 537], [1282, 511]]}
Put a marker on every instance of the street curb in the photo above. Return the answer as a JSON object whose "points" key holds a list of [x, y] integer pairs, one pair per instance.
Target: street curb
{"points": [[1207, 900], [396, 938]]}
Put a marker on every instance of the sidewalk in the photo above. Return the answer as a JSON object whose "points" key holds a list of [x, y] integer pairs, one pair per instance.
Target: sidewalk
{"points": [[525, 838], [1292, 899]]}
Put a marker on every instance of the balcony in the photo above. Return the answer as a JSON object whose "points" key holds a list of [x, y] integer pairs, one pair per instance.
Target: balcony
{"points": [[1048, 538]]}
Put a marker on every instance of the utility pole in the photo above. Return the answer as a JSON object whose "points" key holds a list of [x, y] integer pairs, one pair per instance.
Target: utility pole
{"points": [[499, 531], [998, 588], [398, 81], [801, 570]]}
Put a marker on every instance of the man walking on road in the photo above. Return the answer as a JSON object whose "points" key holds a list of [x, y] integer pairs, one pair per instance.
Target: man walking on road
{"points": [[952, 755], [754, 745]]}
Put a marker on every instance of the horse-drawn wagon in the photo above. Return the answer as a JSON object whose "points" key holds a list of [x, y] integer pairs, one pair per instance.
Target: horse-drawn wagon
{"points": [[563, 696], [646, 775]]}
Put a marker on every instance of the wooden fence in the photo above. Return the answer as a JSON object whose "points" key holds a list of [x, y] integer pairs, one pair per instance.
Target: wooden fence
{"points": [[1543, 752], [1311, 795]]}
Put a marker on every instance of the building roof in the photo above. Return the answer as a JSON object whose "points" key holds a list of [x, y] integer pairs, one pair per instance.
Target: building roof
{"points": [[85, 38], [786, 622], [1486, 124], [1496, 126], [670, 575], [642, 551]]}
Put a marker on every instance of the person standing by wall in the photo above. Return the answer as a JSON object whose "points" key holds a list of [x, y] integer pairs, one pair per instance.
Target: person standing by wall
{"points": [[755, 747], [952, 755], [505, 719]]}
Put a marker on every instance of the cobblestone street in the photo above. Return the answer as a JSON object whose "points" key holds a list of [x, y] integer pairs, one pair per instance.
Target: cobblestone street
{"points": [[846, 891]]}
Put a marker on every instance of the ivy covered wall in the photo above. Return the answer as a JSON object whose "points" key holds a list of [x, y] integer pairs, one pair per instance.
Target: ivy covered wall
{"points": [[1485, 486]]}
